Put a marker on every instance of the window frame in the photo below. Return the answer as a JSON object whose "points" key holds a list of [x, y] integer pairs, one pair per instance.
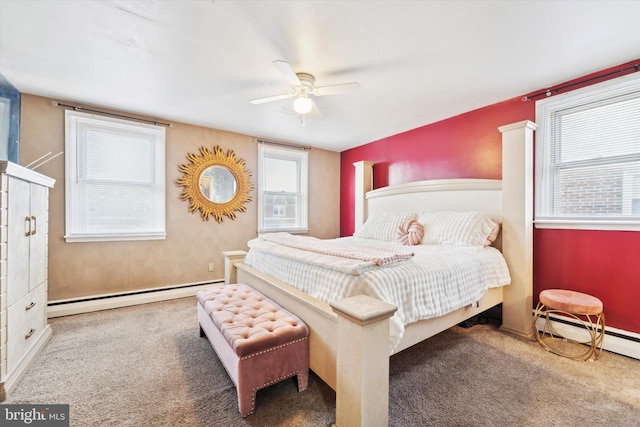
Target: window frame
{"points": [[544, 218], [301, 156], [74, 232]]}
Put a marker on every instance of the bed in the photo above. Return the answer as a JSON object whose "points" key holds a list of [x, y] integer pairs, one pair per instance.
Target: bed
{"points": [[351, 338], [422, 280]]}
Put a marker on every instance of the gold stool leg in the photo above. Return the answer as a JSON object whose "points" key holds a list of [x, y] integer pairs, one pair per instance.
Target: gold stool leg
{"points": [[549, 333], [599, 335]]}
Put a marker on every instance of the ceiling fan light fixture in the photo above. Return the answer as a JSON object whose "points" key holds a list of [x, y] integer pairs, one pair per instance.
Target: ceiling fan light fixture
{"points": [[302, 88], [302, 105]]}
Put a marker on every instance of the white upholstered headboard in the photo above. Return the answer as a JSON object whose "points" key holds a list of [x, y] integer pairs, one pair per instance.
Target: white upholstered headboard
{"points": [[483, 195]]}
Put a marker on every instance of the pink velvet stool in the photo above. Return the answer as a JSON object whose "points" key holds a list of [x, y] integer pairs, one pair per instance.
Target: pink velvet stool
{"points": [[587, 310], [258, 342]]}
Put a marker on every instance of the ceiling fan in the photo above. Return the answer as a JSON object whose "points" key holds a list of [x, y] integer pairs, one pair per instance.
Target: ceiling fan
{"points": [[302, 85]]}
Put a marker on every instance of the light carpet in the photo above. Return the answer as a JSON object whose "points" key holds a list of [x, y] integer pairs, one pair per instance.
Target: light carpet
{"points": [[147, 366]]}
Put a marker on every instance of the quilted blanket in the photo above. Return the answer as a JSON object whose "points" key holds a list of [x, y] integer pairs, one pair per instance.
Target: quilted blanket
{"points": [[376, 255]]}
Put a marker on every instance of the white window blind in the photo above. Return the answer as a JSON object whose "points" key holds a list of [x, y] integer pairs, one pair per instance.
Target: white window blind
{"points": [[282, 189], [115, 185], [588, 157]]}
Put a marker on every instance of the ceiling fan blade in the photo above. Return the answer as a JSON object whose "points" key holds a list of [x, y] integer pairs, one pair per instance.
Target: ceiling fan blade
{"points": [[339, 89], [287, 72], [272, 98]]}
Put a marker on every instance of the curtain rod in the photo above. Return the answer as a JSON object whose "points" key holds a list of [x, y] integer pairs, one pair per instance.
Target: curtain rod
{"points": [[548, 92], [284, 144], [78, 108]]}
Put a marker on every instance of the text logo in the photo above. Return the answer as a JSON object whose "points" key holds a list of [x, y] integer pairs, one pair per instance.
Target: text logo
{"points": [[34, 415]]}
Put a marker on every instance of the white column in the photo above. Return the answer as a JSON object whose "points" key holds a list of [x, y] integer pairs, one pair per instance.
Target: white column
{"points": [[362, 365], [517, 226], [363, 183], [231, 258]]}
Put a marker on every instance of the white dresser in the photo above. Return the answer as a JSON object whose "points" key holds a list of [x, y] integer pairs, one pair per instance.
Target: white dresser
{"points": [[24, 215]]}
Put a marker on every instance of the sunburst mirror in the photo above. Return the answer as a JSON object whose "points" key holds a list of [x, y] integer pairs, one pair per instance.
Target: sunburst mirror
{"points": [[215, 183]]}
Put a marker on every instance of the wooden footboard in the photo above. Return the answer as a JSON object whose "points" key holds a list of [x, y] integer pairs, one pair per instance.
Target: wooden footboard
{"points": [[323, 318]]}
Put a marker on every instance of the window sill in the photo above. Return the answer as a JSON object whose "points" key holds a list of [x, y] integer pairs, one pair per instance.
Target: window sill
{"points": [[573, 224], [114, 238]]}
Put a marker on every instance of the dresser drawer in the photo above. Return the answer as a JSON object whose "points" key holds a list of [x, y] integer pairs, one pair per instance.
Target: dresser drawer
{"points": [[25, 322]]}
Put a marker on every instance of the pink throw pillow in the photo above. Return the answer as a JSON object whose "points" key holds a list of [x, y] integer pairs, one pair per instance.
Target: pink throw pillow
{"points": [[410, 233]]}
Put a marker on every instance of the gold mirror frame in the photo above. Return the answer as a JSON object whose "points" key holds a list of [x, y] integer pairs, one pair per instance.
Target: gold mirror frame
{"points": [[191, 183]]}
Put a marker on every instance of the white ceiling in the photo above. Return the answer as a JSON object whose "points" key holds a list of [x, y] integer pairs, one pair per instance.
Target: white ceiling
{"points": [[200, 62]]}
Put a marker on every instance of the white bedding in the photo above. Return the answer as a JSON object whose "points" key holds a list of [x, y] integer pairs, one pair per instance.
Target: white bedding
{"points": [[436, 281]]}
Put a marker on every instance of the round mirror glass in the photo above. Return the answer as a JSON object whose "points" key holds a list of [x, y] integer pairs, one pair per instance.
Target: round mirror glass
{"points": [[218, 184]]}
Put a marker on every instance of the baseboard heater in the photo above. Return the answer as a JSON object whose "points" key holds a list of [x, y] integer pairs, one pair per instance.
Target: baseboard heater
{"points": [[616, 340], [107, 301]]}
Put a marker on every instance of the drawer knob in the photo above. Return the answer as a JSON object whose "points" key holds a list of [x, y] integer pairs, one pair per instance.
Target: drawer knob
{"points": [[30, 306], [31, 332]]}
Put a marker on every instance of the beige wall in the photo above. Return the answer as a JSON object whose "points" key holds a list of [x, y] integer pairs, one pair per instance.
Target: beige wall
{"points": [[78, 270]]}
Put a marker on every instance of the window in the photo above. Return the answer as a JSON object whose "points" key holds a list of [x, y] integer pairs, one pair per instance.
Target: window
{"points": [[282, 189], [114, 185], [588, 157]]}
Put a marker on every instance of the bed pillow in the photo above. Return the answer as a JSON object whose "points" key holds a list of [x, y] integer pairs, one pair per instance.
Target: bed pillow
{"points": [[384, 226], [493, 235], [458, 228], [410, 233]]}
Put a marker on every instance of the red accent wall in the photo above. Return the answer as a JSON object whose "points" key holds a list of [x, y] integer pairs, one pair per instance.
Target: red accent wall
{"points": [[603, 263]]}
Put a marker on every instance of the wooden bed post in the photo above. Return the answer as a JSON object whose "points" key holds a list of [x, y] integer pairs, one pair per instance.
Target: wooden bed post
{"points": [[363, 182], [231, 258], [362, 388], [517, 226]]}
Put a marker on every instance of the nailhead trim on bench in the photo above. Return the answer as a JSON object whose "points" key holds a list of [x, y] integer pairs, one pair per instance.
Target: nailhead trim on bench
{"points": [[272, 348]]}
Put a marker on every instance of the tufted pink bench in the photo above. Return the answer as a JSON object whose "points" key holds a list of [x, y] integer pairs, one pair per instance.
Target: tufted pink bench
{"points": [[257, 341]]}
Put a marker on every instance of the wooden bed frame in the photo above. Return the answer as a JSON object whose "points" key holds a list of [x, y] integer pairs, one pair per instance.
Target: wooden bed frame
{"points": [[347, 337]]}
